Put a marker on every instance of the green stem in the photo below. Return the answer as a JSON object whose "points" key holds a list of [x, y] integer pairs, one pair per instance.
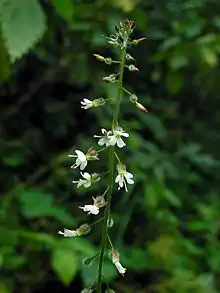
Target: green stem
{"points": [[111, 174]]}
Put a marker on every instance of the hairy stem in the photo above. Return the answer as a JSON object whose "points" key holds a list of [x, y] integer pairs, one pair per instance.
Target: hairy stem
{"points": [[111, 174]]}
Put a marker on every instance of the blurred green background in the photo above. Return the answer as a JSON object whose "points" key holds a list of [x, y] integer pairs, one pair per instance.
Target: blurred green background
{"points": [[167, 226]]}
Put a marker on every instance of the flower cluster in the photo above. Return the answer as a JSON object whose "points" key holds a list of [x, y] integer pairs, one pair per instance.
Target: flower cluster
{"points": [[109, 140]]}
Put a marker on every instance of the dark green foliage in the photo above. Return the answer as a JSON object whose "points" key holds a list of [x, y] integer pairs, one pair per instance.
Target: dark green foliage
{"points": [[167, 227]]}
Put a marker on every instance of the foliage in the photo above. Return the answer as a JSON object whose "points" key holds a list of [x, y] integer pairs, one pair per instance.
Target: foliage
{"points": [[167, 227]]}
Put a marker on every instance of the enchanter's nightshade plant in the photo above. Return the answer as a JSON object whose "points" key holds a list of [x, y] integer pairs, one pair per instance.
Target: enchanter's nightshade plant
{"points": [[109, 141]]}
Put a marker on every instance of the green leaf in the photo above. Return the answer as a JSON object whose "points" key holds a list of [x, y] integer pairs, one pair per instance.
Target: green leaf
{"points": [[4, 61], [23, 25], [174, 82], [64, 263], [37, 203], [64, 8]]}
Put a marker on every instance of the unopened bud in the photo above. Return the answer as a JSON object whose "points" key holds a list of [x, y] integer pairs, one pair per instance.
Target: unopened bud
{"points": [[132, 67], [98, 102], [99, 57], [136, 42], [129, 57], [111, 78], [108, 61], [83, 230], [115, 256], [110, 222], [133, 98], [90, 151], [141, 107], [99, 201]]}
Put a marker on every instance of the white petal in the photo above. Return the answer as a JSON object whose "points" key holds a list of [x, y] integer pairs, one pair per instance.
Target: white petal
{"points": [[91, 209], [128, 175], [102, 141], [117, 179], [112, 141], [81, 155], [83, 165], [120, 268], [77, 163], [121, 181], [68, 233], [86, 175], [87, 101], [125, 134], [81, 182], [87, 184], [120, 143], [130, 181]]}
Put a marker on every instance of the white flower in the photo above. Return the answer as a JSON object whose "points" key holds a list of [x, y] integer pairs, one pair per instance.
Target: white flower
{"points": [[91, 209], [120, 268], [98, 202], [123, 176], [81, 160], [86, 104], [88, 179], [105, 138], [115, 260], [116, 137], [68, 233]]}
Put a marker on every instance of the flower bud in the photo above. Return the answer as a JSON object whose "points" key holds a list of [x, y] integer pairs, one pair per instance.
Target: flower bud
{"points": [[132, 67], [136, 42], [110, 222], [108, 61], [133, 98], [83, 230], [111, 78], [99, 201], [99, 57], [98, 102], [129, 57], [141, 107]]}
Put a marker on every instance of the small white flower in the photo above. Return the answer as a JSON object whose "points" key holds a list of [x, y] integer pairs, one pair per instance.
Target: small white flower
{"points": [[98, 202], [120, 268], [115, 260], [86, 104], [123, 177], [88, 179], [105, 138], [81, 160], [116, 137], [68, 233], [91, 209]]}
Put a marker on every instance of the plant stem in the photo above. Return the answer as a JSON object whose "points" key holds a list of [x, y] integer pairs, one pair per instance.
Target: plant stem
{"points": [[111, 174]]}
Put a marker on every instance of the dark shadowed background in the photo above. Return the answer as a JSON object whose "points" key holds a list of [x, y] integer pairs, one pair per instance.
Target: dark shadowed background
{"points": [[167, 226]]}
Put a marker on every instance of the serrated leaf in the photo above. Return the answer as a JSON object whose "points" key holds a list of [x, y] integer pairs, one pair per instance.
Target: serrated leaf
{"points": [[23, 24], [64, 263]]}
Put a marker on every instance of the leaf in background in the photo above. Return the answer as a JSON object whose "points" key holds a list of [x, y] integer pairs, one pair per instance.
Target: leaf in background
{"points": [[23, 25], [37, 203], [174, 82], [64, 8], [90, 273], [4, 61], [64, 263]]}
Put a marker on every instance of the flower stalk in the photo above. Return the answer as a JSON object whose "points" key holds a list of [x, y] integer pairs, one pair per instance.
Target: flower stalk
{"points": [[108, 141], [111, 174]]}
